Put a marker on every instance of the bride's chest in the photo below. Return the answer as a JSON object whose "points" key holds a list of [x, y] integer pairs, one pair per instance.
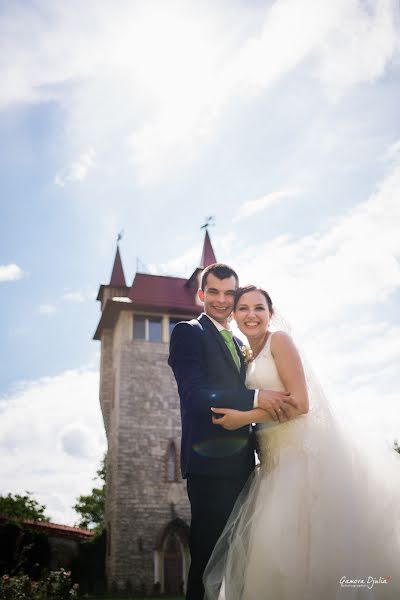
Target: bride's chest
{"points": [[262, 373]]}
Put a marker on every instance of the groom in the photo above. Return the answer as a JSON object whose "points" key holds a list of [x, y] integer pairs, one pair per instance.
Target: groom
{"points": [[210, 372]]}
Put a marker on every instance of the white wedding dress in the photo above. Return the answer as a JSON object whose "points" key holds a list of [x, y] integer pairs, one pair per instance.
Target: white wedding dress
{"points": [[320, 518]]}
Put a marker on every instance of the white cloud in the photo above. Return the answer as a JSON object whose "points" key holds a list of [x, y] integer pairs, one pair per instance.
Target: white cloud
{"points": [[362, 47], [11, 272], [166, 74], [47, 309], [251, 207], [354, 262], [184, 264], [328, 29], [74, 296], [362, 348], [77, 441], [78, 170], [52, 440], [188, 115], [80, 295], [17, 331], [393, 153]]}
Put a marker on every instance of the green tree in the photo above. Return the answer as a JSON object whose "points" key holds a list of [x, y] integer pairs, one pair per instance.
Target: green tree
{"points": [[91, 507], [22, 507]]}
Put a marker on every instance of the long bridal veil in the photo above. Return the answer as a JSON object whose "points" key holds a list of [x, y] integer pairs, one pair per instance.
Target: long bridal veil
{"points": [[319, 517]]}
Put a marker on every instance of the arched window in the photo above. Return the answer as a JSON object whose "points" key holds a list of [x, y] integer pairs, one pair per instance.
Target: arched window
{"points": [[173, 583], [171, 558], [171, 462]]}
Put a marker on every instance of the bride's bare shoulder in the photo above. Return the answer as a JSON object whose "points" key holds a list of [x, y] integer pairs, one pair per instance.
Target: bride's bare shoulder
{"points": [[280, 335], [280, 340]]}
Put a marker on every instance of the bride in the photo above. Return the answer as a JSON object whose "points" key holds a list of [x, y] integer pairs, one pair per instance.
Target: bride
{"points": [[320, 518]]}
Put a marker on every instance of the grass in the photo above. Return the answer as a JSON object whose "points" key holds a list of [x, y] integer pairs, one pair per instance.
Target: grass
{"points": [[138, 598]]}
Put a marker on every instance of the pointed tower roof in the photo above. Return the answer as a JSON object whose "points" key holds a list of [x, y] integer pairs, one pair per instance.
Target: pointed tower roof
{"points": [[174, 296], [117, 275], [117, 285], [208, 256]]}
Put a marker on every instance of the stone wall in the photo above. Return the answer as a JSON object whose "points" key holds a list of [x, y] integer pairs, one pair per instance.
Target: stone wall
{"points": [[144, 419], [106, 376]]}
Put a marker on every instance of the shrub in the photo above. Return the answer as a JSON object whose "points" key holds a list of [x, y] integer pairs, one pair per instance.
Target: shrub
{"points": [[22, 550], [89, 567], [56, 585]]}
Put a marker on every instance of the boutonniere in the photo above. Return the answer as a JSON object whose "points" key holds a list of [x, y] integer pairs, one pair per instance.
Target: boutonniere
{"points": [[247, 354]]}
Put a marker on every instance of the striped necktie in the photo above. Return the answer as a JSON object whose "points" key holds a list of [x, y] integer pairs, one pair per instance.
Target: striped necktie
{"points": [[228, 339]]}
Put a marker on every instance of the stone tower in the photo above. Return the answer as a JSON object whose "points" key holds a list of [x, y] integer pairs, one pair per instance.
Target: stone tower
{"points": [[147, 511]]}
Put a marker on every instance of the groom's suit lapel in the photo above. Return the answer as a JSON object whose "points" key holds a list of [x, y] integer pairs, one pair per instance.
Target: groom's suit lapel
{"points": [[242, 363], [205, 321]]}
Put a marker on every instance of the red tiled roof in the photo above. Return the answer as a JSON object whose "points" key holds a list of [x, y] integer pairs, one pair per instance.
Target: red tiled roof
{"points": [[65, 530], [158, 291]]}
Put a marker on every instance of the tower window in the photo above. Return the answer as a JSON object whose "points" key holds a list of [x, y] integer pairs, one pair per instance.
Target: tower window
{"points": [[147, 328], [171, 462], [155, 333], [139, 327]]}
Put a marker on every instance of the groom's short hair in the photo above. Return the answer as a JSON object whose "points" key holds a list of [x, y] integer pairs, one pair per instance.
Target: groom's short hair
{"points": [[221, 271]]}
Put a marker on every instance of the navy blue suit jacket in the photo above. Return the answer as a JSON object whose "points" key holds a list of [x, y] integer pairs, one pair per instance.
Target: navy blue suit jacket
{"points": [[207, 376]]}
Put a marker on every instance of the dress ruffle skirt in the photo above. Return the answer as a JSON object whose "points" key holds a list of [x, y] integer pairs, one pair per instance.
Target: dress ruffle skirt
{"points": [[318, 520]]}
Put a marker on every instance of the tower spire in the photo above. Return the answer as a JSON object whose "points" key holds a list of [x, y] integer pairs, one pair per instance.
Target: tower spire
{"points": [[117, 274], [208, 256]]}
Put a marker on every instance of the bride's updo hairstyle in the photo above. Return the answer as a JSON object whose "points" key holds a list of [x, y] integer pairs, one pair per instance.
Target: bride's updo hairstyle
{"points": [[252, 288]]}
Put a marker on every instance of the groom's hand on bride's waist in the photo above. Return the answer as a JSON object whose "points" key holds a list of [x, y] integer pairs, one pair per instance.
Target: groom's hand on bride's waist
{"points": [[277, 404]]}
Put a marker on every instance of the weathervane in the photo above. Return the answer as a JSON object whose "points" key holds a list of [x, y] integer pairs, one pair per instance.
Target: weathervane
{"points": [[120, 236], [209, 222]]}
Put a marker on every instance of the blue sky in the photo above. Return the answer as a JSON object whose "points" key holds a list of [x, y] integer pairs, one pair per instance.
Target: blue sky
{"points": [[279, 118]]}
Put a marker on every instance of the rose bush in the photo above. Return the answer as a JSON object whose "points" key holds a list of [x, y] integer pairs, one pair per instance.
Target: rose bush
{"points": [[55, 585]]}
